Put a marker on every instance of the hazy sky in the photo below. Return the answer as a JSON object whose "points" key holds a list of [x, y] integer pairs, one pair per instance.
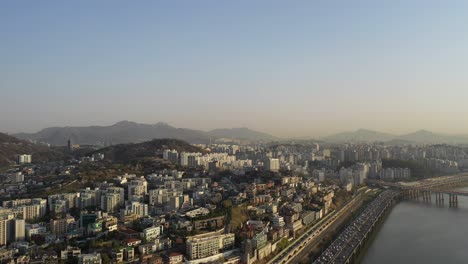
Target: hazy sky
{"points": [[290, 68]]}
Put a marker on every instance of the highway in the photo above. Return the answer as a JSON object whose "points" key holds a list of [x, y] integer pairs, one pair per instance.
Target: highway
{"points": [[316, 232], [343, 248], [332, 230]]}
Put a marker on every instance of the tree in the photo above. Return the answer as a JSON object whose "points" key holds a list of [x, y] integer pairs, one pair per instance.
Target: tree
{"points": [[283, 244], [227, 204], [105, 258]]}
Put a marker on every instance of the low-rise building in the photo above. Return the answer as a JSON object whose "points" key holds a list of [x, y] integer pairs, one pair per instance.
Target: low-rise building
{"points": [[205, 245], [152, 233], [93, 258]]}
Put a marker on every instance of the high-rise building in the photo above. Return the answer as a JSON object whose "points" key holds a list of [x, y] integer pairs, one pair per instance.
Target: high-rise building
{"points": [[163, 196], [112, 199], [192, 161], [19, 177], [24, 159], [272, 164], [19, 231], [176, 202], [8, 229], [29, 208], [135, 208], [89, 198], [184, 158], [4, 228], [137, 189], [63, 225], [171, 155], [61, 203]]}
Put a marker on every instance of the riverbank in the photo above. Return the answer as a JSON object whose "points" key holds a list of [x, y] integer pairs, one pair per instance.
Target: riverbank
{"points": [[420, 232]]}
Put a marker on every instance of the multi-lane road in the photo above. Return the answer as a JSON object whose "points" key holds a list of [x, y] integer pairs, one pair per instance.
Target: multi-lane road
{"points": [[295, 251], [341, 250]]}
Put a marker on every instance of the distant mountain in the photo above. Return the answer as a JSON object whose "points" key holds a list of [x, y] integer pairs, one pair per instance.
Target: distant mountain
{"points": [[132, 151], [361, 135], [131, 132], [418, 137], [240, 133], [10, 147], [424, 136]]}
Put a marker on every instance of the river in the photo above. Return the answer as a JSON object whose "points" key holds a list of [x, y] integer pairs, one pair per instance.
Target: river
{"points": [[419, 232]]}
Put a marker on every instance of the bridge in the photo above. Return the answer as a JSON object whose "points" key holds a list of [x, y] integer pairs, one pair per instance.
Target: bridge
{"points": [[347, 247], [438, 187]]}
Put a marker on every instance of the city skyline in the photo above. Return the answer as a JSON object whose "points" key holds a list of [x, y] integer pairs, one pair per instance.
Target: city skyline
{"points": [[240, 132], [307, 69]]}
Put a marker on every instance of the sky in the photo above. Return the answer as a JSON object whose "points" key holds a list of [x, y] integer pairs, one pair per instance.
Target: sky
{"points": [[289, 68]]}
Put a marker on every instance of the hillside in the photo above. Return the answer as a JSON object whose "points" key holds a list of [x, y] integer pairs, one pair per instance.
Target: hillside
{"points": [[4, 138], [131, 151], [131, 132], [10, 147]]}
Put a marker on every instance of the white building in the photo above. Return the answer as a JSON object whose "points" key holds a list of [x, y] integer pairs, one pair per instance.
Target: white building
{"points": [[35, 229], [277, 221], [89, 198], [19, 231], [93, 258], [151, 233], [36, 209], [24, 159], [272, 164], [11, 229], [205, 245], [61, 203], [137, 189], [19, 177], [135, 208], [112, 199]]}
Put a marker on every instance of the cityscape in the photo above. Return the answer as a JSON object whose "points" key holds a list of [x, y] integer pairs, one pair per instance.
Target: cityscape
{"points": [[247, 132], [228, 202]]}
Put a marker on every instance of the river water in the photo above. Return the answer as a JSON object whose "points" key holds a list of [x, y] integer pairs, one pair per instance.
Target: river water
{"points": [[420, 232]]}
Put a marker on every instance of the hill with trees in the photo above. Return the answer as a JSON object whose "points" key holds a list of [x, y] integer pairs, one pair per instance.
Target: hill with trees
{"points": [[11, 147], [125, 153]]}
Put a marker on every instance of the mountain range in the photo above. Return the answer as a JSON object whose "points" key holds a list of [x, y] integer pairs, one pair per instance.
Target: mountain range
{"points": [[131, 132], [418, 137]]}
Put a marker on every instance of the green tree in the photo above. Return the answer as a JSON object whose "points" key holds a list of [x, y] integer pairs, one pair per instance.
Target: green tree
{"points": [[105, 258], [283, 244], [227, 204]]}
